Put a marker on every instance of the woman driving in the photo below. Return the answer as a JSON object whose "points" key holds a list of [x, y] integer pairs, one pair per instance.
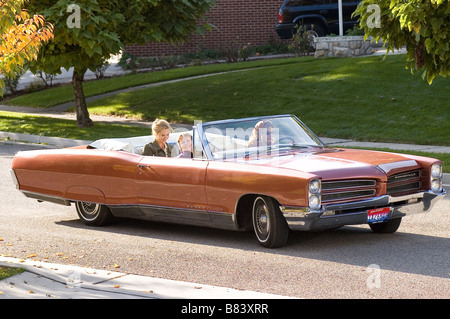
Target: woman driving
{"points": [[161, 130]]}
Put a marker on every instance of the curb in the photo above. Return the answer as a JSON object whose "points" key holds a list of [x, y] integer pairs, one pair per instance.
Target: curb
{"points": [[47, 280], [39, 139]]}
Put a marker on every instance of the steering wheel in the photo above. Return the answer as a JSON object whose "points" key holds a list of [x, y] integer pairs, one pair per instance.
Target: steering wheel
{"points": [[291, 140]]}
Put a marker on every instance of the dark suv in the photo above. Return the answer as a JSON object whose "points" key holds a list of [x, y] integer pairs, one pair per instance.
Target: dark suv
{"points": [[319, 15]]}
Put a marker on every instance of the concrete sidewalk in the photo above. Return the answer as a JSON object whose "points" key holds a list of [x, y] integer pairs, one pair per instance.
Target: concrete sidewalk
{"points": [[43, 280]]}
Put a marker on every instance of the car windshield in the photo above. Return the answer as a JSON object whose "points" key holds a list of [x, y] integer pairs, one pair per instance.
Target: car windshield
{"points": [[257, 137]]}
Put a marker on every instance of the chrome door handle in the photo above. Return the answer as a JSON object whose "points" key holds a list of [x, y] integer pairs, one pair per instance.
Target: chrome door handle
{"points": [[143, 165]]}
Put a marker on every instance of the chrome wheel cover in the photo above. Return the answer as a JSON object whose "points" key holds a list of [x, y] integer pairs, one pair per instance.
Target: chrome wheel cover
{"points": [[261, 220], [89, 210]]}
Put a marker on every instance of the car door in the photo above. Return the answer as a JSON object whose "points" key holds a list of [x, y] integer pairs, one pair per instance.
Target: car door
{"points": [[171, 183]]}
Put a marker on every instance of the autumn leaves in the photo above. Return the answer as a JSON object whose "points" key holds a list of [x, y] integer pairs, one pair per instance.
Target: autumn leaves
{"points": [[20, 36]]}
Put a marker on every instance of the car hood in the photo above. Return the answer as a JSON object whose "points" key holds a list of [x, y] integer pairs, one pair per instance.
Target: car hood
{"points": [[343, 163]]}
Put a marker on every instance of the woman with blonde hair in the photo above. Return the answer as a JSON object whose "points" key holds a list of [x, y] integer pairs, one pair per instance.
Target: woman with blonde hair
{"points": [[161, 130]]}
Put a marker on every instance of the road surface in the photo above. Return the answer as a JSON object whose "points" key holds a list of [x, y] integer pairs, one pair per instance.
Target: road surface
{"points": [[350, 262]]}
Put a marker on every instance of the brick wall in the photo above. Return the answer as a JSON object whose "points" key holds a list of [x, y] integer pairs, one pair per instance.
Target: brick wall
{"points": [[237, 21]]}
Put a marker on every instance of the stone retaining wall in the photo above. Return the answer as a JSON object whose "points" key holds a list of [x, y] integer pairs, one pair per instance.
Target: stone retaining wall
{"points": [[343, 46]]}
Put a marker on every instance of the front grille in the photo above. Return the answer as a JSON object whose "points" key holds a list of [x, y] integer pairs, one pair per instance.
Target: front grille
{"points": [[347, 195], [403, 188], [405, 176], [347, 190], [403, 183], [347, 184]]}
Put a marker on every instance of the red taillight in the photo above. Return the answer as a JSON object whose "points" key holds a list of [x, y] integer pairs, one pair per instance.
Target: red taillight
{"points": [[280, 17]]}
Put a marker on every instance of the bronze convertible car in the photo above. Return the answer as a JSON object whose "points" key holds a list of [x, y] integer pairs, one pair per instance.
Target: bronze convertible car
{"points": [[270, 174]]}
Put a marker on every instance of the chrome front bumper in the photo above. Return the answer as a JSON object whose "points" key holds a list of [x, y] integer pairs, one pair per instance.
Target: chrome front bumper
{"points": [[354, 213]]}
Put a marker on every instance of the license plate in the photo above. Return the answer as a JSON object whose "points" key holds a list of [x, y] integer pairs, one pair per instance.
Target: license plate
{"points": [[378, 215]]}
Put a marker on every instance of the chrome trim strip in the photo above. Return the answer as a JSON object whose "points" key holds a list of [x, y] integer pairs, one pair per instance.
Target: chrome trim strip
{"points": [[14, 178], [204, 141], [185, 216], [181, 209], [301, 218], [47, 198], [405, 176], [387, 168]]}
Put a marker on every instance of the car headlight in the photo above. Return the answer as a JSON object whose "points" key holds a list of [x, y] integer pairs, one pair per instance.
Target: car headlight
{"points": [[436, 178], [314, 197], [314, 202], [315, 186], [436, 170], [436, 186]]}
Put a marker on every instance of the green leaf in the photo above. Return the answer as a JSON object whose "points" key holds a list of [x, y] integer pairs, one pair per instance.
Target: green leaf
{"points": [[436, 23], [429, 45], [98, 50], [109, 25]]}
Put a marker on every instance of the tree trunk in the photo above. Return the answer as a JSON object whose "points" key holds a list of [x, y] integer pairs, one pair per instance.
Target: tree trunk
{"points": [[83, 119]]}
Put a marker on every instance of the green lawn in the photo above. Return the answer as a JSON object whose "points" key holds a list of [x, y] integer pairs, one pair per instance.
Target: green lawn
{"points": [[40, 125], [62, 94], [368, 99]]}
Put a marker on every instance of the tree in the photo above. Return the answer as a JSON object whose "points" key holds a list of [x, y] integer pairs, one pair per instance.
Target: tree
{"points": [[20, 37], [422, 25], [87, 32]]}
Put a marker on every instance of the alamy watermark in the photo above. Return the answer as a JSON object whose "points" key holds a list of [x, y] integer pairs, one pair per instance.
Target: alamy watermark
{"points": [[74, 280], [373, 280], [74, 20], [374, 19]]}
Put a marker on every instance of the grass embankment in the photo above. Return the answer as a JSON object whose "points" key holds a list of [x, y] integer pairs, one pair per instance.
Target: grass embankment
{"points": [[63, 94], [46, 126], [364, 99], [368, 99]]}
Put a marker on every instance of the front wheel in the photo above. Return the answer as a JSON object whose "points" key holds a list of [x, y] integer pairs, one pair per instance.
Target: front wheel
{"points": [[269, 224], [387, 227], [93, 214]]}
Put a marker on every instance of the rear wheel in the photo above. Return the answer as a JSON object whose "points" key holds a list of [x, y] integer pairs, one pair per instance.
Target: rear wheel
{"points": [[388, 227], [269, 224], [93, 214]]}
